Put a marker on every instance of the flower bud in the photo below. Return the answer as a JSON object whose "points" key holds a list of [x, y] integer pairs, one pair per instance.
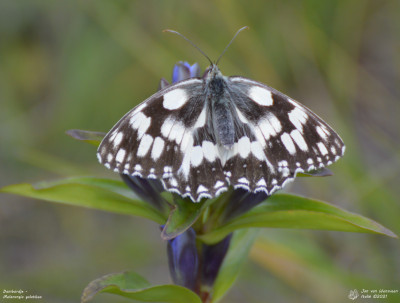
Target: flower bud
{"points": [[183, 259]]}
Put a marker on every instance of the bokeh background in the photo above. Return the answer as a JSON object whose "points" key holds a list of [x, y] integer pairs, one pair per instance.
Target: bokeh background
{"points": [[83, 64]]}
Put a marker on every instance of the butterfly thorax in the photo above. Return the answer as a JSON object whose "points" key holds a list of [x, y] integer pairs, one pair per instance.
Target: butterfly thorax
{"points": [[221, 107]]}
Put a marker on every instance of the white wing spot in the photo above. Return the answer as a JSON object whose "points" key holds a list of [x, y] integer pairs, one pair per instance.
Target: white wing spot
{"points": [[270, 126], [144, 145], [196, 156], [166, 127], [298, 138], [244, 181], [261, 182], [257, 150], [158, 148], [118, 138], [218, 184], [187, 141], [138, 167], [120, 155], [288, 143], [241, 116], [283, 163], [209, 150], [244, 146], [173, 182], [176, 133], [322, 133], [285, 172], [333, 150], [228, 174], [201, 189], [201, 120], [261, 96], [144, 126], [298, 118], [322, 148], [175, 99], [140, 122], [109, 157], [276, 124], [259, 135], [139, 108], [186, 147], [167, 172]]}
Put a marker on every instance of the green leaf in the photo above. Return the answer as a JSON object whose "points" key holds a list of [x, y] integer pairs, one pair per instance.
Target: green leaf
{"points": [[182, 217], [91, 137], [289, 211], [133, 286], [241, 243], [90, 192]]}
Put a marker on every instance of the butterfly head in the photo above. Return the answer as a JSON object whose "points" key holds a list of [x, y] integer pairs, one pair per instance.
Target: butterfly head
{"points": [[211, 72]]}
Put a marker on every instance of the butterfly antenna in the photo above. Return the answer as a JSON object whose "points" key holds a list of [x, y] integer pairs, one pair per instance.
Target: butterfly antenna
{"points": [[194, 45], [234, 37]]}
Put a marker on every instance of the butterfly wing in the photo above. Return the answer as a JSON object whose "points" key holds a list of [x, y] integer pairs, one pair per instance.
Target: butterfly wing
{"points": [[167, 137], [279, 137]]}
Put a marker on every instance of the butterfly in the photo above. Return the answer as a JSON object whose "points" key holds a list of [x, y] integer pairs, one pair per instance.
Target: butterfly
{"points": [[202, 135]]}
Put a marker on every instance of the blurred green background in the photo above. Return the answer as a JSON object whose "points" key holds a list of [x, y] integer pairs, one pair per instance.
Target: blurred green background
{"points": [[84, 64]]}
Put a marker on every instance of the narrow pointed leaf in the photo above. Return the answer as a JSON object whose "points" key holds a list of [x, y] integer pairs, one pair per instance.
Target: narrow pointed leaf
{"points": [[135, 287], [289, 211], [96, 193], [182, 217], [237, 254], [91, 137]]}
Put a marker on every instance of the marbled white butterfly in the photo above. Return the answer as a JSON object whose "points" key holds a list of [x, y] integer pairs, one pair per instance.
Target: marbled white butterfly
{"points": [[202, 135]]}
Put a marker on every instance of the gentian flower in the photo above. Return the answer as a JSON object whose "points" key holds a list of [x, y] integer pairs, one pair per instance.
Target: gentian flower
{"points": [[183, 259]]}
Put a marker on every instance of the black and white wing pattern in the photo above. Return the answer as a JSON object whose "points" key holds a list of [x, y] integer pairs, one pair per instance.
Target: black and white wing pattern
{"points": [[260, 141], [167, 137], [281, 138]]}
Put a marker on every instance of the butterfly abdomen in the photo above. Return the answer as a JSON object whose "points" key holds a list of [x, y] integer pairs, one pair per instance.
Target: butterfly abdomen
{"points": [[221, 111], [223, 121]]}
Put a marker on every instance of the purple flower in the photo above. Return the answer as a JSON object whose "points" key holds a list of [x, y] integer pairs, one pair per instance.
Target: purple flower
{"points": [[183, 259], [183, 71], [212, 258], [240, 202], [148, 190]]}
